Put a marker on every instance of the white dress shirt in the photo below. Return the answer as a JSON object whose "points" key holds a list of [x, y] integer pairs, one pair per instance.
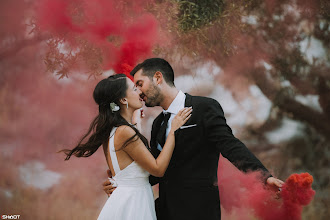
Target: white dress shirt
{"points": [[176, 105]]}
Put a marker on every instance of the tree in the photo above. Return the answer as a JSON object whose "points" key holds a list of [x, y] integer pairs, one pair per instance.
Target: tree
{"points": [[263, 41]]}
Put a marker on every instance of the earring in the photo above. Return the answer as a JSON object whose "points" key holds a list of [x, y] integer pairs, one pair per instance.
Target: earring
{"points": [[126, 104]]}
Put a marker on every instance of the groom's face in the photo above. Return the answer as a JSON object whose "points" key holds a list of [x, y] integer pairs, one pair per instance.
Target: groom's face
{"points": [[150, 92]]}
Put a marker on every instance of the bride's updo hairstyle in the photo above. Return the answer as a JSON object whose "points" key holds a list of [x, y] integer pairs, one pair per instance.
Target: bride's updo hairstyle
{"points": [[109, 90]]}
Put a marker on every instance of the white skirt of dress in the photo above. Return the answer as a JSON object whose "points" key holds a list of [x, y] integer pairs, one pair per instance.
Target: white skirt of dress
{"points": [[130, 203]]}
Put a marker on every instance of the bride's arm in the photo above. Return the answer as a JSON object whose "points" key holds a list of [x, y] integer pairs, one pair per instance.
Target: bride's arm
{"points": [[141, 154]]}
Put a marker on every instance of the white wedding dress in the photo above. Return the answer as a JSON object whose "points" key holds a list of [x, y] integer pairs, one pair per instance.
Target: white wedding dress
{"points": [[133, 198]]}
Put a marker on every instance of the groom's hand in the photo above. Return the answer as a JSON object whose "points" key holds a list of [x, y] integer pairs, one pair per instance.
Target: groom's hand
{"points": [[107, 186], [275, 185]]}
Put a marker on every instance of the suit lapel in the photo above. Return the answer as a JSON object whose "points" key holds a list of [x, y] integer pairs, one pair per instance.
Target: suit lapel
{"points": [[188, 101], [154, 132], [158, 122]]}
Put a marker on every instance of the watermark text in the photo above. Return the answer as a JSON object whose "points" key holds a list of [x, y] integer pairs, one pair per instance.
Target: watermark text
{"points": [[10, 216]]}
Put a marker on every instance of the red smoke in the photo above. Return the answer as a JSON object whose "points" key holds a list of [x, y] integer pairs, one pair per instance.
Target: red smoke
{"points": [[122, 31], [296, 193], [245, 195]]}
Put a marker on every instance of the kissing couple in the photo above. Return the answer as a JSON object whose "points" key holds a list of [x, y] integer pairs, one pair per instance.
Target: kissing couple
{"points": [[187, 138]]}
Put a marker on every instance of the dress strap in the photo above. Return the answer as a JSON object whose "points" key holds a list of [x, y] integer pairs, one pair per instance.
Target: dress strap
{"points": [[112, 151]]}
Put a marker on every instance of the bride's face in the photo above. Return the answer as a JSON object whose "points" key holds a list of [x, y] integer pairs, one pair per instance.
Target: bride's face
{"points": [[133, 95]]}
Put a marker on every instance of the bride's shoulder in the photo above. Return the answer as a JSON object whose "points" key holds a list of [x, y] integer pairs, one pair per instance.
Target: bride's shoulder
{"points": [[125, 136], [125, 131]]}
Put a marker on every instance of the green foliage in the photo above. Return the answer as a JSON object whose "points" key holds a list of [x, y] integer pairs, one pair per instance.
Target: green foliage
{"points": [[196, 13]]}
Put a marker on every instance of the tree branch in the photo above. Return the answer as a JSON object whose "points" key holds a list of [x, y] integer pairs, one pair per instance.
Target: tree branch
{"points": [[288, 104]]}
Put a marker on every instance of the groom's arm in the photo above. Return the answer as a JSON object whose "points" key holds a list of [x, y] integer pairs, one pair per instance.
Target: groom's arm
{"points": [[108, 188], [221, 136]]}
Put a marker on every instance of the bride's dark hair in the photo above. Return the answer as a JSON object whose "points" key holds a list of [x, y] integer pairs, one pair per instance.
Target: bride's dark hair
{"points": [[108, 90]]}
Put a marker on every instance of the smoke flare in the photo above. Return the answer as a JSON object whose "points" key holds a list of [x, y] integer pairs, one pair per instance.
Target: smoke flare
{"points": [[243, 195]]}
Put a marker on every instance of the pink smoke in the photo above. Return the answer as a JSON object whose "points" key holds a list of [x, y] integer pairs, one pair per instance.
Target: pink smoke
{"points": [[125, 34], [245, 195]]}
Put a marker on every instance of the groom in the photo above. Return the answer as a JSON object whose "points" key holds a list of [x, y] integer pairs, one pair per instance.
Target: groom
{"points": [[188, 189]]}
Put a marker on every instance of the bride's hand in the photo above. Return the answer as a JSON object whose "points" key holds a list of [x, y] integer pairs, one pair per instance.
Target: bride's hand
{"points": [[181, 118]]}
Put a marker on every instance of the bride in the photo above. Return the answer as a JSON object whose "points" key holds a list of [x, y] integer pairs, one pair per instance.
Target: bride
{"points": [[126, 149]]}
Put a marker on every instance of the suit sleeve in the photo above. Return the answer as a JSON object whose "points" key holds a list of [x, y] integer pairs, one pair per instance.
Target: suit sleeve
{"points": [[220, 135]]}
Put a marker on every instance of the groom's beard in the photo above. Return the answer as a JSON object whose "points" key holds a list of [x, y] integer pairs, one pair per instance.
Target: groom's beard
{"points": [[154, 97]]}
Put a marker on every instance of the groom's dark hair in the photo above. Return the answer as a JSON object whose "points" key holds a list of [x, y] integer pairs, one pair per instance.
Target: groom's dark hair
{"points": [[152, 65]]}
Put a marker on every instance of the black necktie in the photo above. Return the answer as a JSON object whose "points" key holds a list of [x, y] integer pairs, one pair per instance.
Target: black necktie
{"points": [[162, 131]]}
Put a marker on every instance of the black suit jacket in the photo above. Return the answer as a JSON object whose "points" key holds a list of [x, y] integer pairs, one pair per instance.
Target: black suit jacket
{"points": [[188, 189]]}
